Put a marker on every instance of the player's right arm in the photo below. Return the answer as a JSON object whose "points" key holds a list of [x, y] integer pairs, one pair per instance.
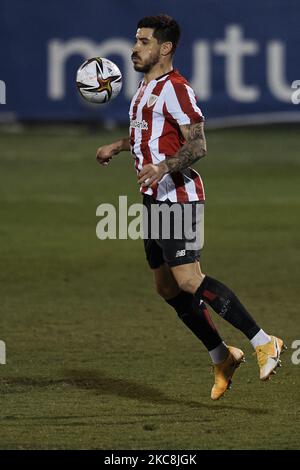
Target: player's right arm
{"points": [[105, 153]]}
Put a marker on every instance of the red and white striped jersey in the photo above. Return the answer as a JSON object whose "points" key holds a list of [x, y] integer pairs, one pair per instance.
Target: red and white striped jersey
{"points": [[156, 112]]}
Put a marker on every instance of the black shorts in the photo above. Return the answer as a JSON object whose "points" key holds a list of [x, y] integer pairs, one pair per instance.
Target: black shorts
{"points": [[178, 234]]}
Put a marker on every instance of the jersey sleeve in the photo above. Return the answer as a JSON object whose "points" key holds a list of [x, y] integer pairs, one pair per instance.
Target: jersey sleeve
{"points": [[181, 104]]}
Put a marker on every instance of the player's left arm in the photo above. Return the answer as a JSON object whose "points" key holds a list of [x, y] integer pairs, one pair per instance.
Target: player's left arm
{"points": [[193, 149]]}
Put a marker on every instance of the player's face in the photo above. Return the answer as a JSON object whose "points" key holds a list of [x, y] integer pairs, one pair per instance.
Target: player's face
{"points": [[146, 50]]}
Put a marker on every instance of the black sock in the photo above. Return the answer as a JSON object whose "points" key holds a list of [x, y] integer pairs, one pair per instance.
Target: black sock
{"points": [[227, 305], [196, 318]]}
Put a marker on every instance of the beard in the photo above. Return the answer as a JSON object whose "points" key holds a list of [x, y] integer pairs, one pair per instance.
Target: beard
{"points": [[146, 66]]}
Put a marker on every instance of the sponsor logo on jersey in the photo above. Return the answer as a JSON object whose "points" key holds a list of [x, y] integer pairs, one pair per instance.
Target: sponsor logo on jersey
{"points": [[142, 125]]}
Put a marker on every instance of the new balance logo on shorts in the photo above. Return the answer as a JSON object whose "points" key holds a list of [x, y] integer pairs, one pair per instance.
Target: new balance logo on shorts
{"points": [[180, 253]]}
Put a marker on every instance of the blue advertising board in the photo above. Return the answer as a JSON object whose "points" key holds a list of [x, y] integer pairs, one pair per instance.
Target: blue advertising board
{"points": [[240, 57]]}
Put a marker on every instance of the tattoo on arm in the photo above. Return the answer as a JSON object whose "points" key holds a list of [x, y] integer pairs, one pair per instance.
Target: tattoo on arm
{"points": [[191, 151]]}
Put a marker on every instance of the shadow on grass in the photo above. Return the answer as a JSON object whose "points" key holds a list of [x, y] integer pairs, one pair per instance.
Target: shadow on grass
{"points": [[101, 383]]}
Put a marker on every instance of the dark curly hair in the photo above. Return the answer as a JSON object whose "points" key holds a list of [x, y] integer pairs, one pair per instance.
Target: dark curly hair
{"points": [[165, 28]]}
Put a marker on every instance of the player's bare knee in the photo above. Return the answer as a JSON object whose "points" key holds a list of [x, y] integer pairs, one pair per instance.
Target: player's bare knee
{"points": [[167, 291], [187, 285], [190, 284]]}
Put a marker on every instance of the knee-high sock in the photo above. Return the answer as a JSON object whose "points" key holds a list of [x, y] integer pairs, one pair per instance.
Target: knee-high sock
{"points": [[196, 317], [227, 305]]}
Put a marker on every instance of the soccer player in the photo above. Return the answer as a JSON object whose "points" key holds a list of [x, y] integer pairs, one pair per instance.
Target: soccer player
{"points": [[166, 138]]}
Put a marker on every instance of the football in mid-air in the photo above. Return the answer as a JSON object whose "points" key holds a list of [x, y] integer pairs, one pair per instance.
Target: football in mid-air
{"points": [[98, 80]]}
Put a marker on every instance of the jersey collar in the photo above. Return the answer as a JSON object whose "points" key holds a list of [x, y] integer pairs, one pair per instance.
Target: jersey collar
{"points": [[165, 74], [158, 78]]}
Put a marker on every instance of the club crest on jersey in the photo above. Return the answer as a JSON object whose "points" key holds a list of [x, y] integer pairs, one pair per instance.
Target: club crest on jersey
{"points": [[152, 100], [141, 125]]}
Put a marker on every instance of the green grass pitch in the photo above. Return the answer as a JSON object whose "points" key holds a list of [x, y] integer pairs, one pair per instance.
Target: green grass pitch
{"points": [[95, 360]]}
